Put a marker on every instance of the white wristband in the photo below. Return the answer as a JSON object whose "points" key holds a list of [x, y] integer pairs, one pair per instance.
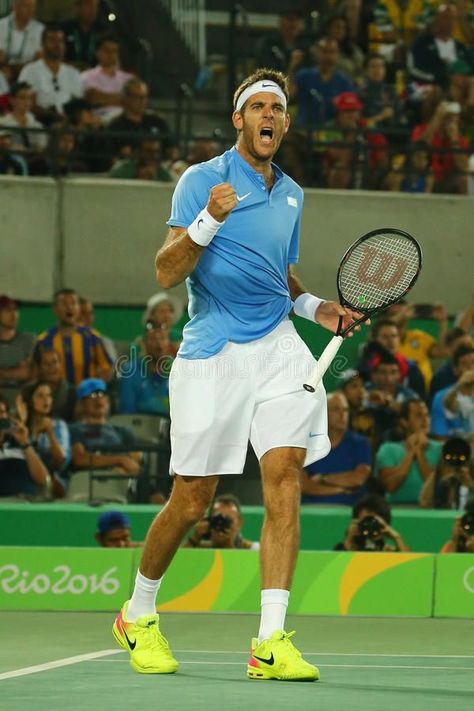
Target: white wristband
{"points": [[306, 306], [203, 229]]}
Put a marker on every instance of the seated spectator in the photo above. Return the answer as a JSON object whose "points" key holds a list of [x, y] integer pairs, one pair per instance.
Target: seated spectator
{"points": [[135, 118], [104, 83], [20, 37], [403, 467], [10, 163], [49, 370], [16, 348], [144, 381], [385, 335], [362, 419], [166, 309], [87, 319], [462, 538], [314, 88], [381, 107], [81, 349], [48, 435], [351, 57], [113, 530], [418, 176], [92, 432], [53, 82], [82, 34], [452, 409], [91, 142], [386, 394], [274, 50], [445, 375], [61, 157], [21, 118], [146, 155], [222, 528], [434, 51], [450, 149], [416, 344], [22, 473], [370, 527], [452, 482], [341, 476], [346, 165]]}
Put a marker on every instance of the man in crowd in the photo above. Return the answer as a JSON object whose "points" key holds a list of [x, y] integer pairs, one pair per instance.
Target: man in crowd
{"points": [[452, 410], [21, 117], [20, 37], [222, 528], [341, 476], [82, 34], [16, 348], [81, 349], [362, 419], [113, 530], [386, 394], [370, 527], [445, 375]]}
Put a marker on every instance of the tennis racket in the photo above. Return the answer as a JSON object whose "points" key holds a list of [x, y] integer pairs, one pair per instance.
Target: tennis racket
{"points": [[375, 272]]}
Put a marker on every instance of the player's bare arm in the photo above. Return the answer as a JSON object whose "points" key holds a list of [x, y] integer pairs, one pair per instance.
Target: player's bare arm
{"points": [[179, 255]]}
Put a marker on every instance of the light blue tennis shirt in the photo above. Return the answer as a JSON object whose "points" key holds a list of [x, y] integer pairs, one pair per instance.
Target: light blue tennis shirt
{"points": [[239, 290]]}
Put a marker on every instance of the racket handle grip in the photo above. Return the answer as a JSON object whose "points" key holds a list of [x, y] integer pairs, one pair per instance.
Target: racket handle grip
{"points": [[323, 364]]}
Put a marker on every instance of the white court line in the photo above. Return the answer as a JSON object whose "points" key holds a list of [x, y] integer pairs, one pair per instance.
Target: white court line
{"points": [[336, 654], [58, 663], [323, 666]]}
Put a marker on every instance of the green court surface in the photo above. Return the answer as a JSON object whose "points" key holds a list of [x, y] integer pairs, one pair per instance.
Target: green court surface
{"points": [[69, 661]]}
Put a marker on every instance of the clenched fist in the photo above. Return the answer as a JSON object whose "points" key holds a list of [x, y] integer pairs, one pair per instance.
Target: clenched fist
{"points": [[222, 200]]}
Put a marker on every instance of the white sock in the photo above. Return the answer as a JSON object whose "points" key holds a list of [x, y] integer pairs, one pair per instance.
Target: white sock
{"points": [[143, 599], [274, 603]]}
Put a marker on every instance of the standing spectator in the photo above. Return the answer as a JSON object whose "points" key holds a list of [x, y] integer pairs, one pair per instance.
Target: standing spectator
{"points": [[443, 132], [82, 34], [20, 37], [81, 349], [49, 370], [403, 466], [341, 476], [381, 107], [314, 88], [53, 82], [351, 57], [16, 348], [22, 473], [49, 436], [135, 118], [433, 52], [417, 345], [385, 335], [446, 375], [93, 432], [452, 409], [21, 118], [144, 384], [274, 50], [103, 85]]}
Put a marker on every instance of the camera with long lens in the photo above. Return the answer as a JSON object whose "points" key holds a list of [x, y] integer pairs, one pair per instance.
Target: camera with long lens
{"points": [[456, 453], [466, 525], [368, 537], [220, 522]]}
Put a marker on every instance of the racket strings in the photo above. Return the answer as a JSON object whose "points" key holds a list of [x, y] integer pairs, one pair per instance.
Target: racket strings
{"points": [[379, 270]]}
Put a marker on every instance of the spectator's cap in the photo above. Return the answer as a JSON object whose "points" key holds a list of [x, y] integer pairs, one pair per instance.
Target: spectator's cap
{"points": [[347, 375], [456, 451], [89, 386], [347, 101], [6, 302], [159, 298], [460, 67], [110, 521]]}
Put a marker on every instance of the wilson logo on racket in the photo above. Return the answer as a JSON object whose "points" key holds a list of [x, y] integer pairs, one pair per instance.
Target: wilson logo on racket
{"points": [[382, 270]]}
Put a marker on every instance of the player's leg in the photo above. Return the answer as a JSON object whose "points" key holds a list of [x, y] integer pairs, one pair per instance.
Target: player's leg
{"points": [[136, 628]]}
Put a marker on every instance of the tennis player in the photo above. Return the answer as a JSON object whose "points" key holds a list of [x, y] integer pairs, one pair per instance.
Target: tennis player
{"points": [[234, 237]]}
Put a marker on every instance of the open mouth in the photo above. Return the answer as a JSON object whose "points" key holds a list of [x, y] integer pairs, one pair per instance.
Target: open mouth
{"points": [[266, 135]]}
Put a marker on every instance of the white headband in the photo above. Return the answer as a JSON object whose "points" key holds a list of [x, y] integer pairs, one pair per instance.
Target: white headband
{"points": [[256, 88]]}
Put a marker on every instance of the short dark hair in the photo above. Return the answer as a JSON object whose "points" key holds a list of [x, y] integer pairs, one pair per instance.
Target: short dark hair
{"points": [[60, 292], [386, 358], [49, 29], [460, 352], [19, 86], [374, 503], [405, 408], [229, 499], [259, 75], [107, 37], [40, 351]]}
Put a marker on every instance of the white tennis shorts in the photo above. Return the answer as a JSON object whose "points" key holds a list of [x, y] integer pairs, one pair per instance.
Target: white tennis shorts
{"points": [[246, 391]]}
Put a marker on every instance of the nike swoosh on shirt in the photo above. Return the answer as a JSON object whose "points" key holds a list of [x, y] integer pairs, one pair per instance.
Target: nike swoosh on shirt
{"points": [[242, 197]]}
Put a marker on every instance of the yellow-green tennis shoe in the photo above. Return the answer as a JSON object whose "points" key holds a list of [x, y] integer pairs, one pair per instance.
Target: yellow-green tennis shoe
{"points": [[278, 658], [149, 651]]}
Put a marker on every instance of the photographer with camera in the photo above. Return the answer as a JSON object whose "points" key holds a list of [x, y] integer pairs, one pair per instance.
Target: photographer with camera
{"points": [[221, 528], [22, 473], [370, 528], [452, 483], [462, 537]]}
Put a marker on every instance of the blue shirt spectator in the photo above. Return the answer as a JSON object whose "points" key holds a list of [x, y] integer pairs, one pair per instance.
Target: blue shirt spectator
{"points": [[455, 415]]}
